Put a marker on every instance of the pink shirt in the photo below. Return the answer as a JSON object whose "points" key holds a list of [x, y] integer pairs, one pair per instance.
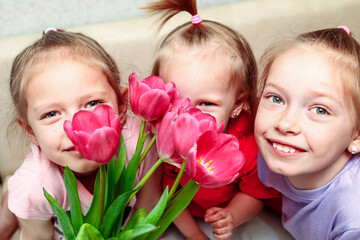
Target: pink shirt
{"points": [[26, 197]]}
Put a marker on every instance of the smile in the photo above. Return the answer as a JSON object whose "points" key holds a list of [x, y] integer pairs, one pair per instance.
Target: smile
{"points": [[282, 148]]}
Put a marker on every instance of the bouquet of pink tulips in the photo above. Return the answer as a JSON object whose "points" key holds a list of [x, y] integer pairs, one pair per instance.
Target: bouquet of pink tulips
{"points": [[184, 136]]}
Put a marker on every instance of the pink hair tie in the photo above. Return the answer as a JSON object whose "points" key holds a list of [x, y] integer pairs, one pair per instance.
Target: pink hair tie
{"points": [[50, 29], [196, 19], [345, 28]]}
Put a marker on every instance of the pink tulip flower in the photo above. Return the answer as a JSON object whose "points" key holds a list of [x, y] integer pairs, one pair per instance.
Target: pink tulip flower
{"points": [[165, 135], [175, 102], [215, 159], [148, 98], [190, 125], [95, 134]]}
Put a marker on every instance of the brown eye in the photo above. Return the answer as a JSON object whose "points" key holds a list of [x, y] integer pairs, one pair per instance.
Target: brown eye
{"points": [[50, 114], [92, 104]]}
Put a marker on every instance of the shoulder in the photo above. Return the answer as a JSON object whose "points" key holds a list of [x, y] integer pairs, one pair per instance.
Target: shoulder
{"points": [[26, 197]]}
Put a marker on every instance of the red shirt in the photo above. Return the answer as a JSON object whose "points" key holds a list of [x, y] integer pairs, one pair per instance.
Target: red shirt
{"points": [[248, 181]]}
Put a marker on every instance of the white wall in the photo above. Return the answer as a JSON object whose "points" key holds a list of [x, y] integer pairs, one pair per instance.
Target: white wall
{"points": [[30, 16]]}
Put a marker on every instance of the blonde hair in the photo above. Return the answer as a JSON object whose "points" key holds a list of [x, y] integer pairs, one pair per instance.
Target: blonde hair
{"points": [[229, 44], [339, 47], [52, 47]]}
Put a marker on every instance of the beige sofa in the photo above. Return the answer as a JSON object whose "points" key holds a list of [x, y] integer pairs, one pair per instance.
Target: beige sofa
{"points": [[132, 44]]}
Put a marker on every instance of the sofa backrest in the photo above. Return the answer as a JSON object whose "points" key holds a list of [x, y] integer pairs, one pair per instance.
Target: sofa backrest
{"points": [[132, 43]]}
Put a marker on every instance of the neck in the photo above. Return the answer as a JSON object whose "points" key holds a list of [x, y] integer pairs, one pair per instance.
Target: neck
{"points": [[88, 180], [319, 178]]}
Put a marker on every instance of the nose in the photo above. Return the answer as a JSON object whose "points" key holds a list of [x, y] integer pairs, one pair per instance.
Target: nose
{"points": [[288, 123]]}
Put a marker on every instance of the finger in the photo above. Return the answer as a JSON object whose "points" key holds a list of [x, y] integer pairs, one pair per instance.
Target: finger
{"points": [[212, 218], [223, 223], [212, 211], [223, 236], [222, 214]]}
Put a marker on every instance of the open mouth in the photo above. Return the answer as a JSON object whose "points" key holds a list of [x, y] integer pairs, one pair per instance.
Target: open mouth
{"points": [[282, 148]]}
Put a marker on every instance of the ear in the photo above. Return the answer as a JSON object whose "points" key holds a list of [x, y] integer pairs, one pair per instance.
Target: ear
{"points": [[124, 106], [354, 146], [27, 128], [237, 108]]}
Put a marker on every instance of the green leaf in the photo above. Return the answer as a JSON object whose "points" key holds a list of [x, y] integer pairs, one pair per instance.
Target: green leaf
{"points": [[154, 216], [89, 232], [128, 179], [138, 231], [73, 196], [92, 216], [62, 216], [175, 206], [113, 212], [139, 215], [115, 169]]}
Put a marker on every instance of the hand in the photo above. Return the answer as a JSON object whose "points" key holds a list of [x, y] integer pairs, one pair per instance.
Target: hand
{"points": [[222, 222]]}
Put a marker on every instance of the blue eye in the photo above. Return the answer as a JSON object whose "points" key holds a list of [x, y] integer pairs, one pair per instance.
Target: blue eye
{"points": [[276, 99], [319, 111], [92, 104]]}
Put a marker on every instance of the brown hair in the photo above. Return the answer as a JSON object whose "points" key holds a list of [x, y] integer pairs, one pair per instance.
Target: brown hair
{"points": [[342, 50], [51, 47], [241, 59]]}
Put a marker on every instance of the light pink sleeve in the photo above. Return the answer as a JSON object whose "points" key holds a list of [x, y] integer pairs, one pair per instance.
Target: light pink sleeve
{"points": [[26, 197]]}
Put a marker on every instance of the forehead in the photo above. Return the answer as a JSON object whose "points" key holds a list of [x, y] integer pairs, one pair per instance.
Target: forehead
{"points": [[200, 73], [305, 67]]}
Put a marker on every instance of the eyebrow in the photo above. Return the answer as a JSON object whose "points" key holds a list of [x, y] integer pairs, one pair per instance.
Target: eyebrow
{"points": [[313, 92], [95, 94]]}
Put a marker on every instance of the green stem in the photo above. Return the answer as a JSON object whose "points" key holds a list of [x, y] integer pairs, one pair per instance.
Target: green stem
{"points": [[177, 180], [102, 193], [147, 149], [146, 177], [141, 133]]}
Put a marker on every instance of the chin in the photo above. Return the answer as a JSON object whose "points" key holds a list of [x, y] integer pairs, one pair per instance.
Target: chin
{"points": [[85, 169]]}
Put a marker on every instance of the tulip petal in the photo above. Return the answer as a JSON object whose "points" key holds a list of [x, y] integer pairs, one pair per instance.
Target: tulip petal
{"points": [[86, 121], [153, 104], [69, 131], [82, 140], [216, 160], [105, 114], [154, 82], [103, 144], [165, 137], [185, 133]]}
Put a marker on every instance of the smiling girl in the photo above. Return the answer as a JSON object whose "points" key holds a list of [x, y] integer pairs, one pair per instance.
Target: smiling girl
{"points": [[307, 128]]}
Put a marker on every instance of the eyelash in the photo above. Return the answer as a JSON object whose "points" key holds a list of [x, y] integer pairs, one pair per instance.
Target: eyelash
{"points": [[206, 104], [314, 109], [271, 98], [94, 101], [47, 115], [51, 114], [326, 112]]}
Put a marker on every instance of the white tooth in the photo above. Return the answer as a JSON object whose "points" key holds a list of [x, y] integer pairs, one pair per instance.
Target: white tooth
{"points": [[284, 148]]}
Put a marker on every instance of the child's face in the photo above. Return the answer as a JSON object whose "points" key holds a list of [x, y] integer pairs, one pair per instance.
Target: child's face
{"points": [[205, 82], [303, 126], [54, 95]]}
